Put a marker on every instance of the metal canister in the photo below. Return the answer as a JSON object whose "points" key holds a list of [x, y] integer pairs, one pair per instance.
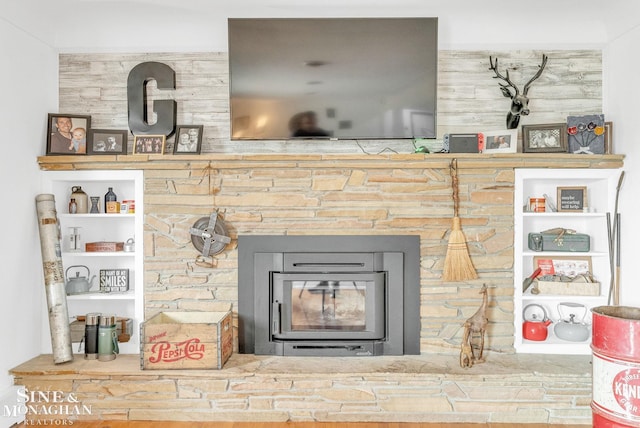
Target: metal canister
{"points": [[107, 338], [537, 205], [131, 205], [91, 322]]}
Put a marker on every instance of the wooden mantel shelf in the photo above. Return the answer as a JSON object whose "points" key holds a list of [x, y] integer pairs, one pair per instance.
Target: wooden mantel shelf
{"points": [[410, 161]]}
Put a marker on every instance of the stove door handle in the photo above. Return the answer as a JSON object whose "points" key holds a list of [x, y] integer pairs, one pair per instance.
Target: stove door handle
{"points": [[275, 318]]}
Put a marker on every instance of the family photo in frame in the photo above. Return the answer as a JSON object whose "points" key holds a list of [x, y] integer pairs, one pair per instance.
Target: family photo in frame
{"points": [[107, 142], [504, 141], [149, 144], [67, 134], [188, 139], [549, 138]]}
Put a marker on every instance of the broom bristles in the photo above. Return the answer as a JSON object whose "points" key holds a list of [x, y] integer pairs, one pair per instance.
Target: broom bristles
{"points": [[457, 263]]}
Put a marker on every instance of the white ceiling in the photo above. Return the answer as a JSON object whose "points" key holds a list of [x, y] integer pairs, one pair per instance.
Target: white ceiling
{"points": [[197, 25]]}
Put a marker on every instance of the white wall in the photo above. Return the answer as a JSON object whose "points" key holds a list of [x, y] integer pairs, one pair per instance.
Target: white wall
{"points": [[29, 78], [621, 61], [194, 25]]}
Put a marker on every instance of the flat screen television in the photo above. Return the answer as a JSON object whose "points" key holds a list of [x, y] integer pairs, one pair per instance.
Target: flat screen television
{"points": [[333, 78]]}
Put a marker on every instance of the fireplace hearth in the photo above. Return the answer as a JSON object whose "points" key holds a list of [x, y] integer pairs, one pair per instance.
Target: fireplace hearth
{"points": [[329, 295]]}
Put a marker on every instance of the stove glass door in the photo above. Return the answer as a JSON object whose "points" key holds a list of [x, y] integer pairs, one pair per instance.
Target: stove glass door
{"points": [[328, 306]]}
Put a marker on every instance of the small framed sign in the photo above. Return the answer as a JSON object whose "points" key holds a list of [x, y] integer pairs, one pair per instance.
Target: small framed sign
{"points": [[572, 199], [114, 280]]}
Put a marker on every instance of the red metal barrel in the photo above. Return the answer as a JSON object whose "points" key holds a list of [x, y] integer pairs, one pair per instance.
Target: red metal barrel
{"points": [[616, 366]]}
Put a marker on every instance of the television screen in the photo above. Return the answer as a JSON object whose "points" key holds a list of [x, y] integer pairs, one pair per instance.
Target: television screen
{"points": [[337, 78]]}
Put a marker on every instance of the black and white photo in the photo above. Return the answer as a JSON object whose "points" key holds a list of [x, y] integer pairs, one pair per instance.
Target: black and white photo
{"points": [[548, 138], [188, 139], [107, 142]]}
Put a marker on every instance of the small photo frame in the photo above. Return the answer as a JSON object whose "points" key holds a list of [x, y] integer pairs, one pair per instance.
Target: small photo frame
{"points": [[149, 144], [549, 138], [188, 139], [107, 142], [572, 199], [67, 134], [608, 138], [505, 141]]}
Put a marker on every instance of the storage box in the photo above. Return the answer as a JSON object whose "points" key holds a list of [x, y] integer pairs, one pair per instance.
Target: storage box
{"points": [[569, 288], [186, 340], [104, 246], [574, 242]]}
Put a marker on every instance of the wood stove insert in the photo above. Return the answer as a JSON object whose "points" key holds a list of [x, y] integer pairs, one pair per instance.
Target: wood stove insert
{"points": [[329, 295]]}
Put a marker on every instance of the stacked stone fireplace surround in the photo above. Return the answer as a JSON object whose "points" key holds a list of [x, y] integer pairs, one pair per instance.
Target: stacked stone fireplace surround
{"points": [[298, 190], [334, 194]]}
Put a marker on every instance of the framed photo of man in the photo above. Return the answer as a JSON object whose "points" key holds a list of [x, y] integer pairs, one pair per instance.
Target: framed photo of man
{"points": [[67, 134], [188, 139], [107, 142], [149, 144]]}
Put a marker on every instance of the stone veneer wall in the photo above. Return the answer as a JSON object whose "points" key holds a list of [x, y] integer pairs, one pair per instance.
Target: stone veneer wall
{"points": [[529, 389], [335, 194], [343, 194], [352, 193]]}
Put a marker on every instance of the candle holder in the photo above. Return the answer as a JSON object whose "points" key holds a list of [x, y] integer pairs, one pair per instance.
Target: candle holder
{"points": [[95, 201]]}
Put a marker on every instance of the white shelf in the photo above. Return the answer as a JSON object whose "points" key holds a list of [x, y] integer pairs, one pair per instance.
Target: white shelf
{"points": [[100, 216], [98, 227], [128, 295], [99, 254], [601, 190], [551, 254]]}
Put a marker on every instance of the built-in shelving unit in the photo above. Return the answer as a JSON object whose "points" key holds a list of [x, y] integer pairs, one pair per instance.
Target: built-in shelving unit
{"points": [[592, 220], [102, 227]]}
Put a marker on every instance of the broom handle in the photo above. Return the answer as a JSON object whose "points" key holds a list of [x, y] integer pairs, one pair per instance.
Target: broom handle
{"points": [[453, 169]]}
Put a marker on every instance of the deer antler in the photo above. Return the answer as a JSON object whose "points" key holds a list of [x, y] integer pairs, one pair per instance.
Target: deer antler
{"points": [[504, 88], [540, 70]]}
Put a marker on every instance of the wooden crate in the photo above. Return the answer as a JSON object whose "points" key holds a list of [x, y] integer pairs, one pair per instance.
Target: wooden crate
{"points": [[569, 288], [186, 340]]}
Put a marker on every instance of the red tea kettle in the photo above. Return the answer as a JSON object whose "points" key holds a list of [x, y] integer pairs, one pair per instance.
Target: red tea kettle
{"points": [[535, 322]]}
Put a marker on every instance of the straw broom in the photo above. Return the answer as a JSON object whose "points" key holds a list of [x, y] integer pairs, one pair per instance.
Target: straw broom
{"points": [[457, 263]]}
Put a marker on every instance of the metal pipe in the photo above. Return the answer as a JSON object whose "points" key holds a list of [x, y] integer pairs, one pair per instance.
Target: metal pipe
{"points": [[54, 279]]}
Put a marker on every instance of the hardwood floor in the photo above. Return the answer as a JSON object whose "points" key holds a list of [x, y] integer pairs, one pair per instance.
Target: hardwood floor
{"points": [[155, 424]]}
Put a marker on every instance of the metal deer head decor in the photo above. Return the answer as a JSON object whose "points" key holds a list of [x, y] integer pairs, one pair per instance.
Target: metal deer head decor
{"points": [[519, 101]]}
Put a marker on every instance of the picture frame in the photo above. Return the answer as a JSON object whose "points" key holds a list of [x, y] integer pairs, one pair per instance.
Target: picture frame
{"points": [[572, 199], [60, 129], [570, 266], [544, 138], [608, 138], [149, 144], [188, 139], [503, 141], [107, 142]]}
